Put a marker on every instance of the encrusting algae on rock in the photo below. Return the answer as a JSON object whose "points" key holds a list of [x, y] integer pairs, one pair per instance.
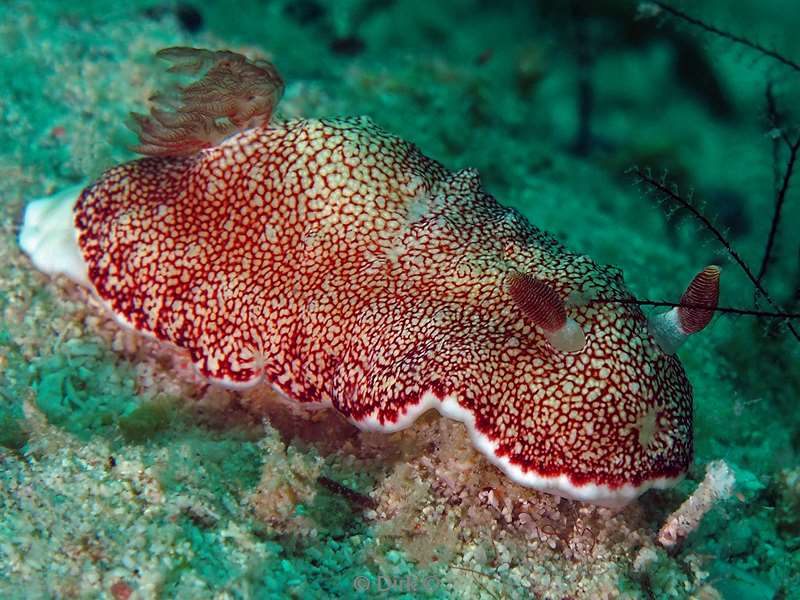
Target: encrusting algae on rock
{"points": [[337, 263]]}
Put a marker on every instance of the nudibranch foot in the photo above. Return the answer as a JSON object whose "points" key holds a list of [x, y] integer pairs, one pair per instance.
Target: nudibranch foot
{"points": [[340, 265], [563, 485]]}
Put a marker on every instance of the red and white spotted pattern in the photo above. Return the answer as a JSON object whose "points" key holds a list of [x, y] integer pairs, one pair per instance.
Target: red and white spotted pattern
{"points": [[338, 263]]}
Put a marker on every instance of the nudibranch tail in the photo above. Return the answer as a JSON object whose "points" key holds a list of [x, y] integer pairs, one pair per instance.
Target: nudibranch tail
{"points": [[543, 307], [234, 94], [698, 302], [48, 236]]}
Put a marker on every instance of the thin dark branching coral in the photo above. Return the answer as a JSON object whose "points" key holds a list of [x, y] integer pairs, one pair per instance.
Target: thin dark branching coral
{"points": [[779, 135], [664, 190], [661, 9], [767, 314]]}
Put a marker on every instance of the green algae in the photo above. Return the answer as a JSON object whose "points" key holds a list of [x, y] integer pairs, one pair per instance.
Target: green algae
{"points": [[147, 419], [84, 389], [12, 434]]}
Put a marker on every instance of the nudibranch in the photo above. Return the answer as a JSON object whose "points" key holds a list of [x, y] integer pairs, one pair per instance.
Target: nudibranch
{"points": [[337, 263]]}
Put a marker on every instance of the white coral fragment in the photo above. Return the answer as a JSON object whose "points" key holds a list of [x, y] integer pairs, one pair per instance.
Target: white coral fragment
{"points": [[715, 487]]}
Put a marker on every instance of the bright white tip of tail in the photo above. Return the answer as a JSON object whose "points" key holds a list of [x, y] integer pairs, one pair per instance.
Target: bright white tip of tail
{"points": [[49, 236]]}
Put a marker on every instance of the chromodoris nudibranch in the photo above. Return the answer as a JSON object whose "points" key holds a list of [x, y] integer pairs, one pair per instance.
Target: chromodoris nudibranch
{"points": [[337, 263]]}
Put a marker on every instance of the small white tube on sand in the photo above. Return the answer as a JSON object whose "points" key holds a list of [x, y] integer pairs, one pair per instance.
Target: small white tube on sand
{"points": [[715, 487]]}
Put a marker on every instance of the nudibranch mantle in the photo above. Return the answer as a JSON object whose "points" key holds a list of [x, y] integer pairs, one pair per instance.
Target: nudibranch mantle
{"points": [[339, 264]]}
